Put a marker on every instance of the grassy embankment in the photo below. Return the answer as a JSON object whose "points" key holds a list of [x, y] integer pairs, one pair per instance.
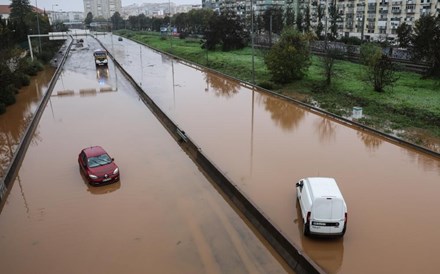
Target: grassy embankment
{"points": [[411, 109]]}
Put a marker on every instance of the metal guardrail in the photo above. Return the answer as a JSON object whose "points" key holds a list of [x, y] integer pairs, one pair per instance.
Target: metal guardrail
{"points": [[291, 253], [25, 140]]}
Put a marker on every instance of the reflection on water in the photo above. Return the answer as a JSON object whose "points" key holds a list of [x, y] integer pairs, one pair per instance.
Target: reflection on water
{"points": [[102, 74], [14, 122], [283, 113], [326, 130], [221, 86], [427, 163], [97, 190], [371, 142], [327, 252]]}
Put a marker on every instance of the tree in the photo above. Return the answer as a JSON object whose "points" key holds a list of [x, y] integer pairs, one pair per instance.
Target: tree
{"points": [[383, 74], [273, 20], [228, 30], [307, 19], [117, 21], [426, 42], [319, 26], [404, 35], [289, 58], [379, 67], [334, 16], [20, 10], [328, 61], [181, 22], [299, 22], [198, 20], [89, 19], [289, 16]]}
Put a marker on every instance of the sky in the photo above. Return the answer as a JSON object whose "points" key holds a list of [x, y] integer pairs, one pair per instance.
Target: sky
{"points": [[77, 5]]}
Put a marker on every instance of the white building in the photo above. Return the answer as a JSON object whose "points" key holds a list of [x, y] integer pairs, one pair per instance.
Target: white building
{"points": [[102, 8], [372, 19]]}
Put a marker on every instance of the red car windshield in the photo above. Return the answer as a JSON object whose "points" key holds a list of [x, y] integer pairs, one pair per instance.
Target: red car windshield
{"points": [[100, 160]]}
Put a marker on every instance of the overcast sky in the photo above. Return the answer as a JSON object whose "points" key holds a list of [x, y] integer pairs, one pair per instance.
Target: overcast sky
{"points": [[77, 5]]}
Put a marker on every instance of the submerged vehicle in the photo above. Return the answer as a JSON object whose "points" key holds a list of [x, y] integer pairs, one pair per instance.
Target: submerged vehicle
{"points": [[98, 167], [323, 208], [100, 56]]}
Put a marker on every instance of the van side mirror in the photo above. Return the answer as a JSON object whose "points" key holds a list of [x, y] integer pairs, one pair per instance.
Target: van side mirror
{"points": [[300, 184]]}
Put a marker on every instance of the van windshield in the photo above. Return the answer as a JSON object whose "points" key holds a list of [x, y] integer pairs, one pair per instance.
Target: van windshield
{"points": [[100, 54], [328, 209]]}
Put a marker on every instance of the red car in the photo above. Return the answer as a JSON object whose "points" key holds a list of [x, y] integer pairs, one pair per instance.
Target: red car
{"points": [[98, 167]]}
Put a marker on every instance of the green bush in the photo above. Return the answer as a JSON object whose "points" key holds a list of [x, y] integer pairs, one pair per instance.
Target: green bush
{"points": [[7, 95], [31, 67], [289, 58], [2, 108], [25, 80]]}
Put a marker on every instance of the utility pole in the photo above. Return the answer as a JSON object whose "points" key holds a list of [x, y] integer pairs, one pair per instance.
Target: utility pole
{"points": [[38, 26], [252, 41]]}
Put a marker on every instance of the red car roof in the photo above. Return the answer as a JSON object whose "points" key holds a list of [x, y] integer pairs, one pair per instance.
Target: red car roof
{"points": [[94, 151]]}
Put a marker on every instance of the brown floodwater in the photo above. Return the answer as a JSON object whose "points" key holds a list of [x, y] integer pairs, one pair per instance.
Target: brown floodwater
{"points": [[163, 216], [265, 145], [14, 122]]}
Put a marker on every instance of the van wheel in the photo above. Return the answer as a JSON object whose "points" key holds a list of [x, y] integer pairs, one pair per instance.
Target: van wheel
{"points": [[306, 229], [343, 231]]}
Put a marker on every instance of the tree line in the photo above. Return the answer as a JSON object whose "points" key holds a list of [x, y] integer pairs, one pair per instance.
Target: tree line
{"points": [[229, 31], [15, 68]]}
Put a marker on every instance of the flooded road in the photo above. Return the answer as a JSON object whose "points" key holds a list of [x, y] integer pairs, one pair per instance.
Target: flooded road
{"points": [[162, 217], [14, 122], [265, 145]]}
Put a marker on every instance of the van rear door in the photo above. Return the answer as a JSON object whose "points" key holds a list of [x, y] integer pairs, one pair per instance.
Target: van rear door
{"points": [[327, 216]]}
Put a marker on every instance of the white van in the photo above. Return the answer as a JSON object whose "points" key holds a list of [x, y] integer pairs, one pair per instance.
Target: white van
{"points": [[323, 208]]}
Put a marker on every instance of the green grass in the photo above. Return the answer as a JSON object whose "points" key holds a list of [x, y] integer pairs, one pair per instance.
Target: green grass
{"points": [[412, 102]]}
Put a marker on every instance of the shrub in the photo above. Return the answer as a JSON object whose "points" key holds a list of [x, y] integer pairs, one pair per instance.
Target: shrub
{"points": [[2, 108], [289, 58], [7, 95]]}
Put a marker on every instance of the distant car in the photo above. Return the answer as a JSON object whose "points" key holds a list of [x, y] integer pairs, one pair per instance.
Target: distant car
{"points": [[97, 165], [120, 39]]}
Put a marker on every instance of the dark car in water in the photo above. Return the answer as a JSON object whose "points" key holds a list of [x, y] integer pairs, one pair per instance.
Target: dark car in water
{"points": [[97, 165]]}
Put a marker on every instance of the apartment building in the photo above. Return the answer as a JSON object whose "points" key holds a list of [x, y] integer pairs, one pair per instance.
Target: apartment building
{"points": [[367, 19], [102, 8], [373, 19]]}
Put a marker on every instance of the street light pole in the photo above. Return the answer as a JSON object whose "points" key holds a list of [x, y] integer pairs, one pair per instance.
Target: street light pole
{"points": [[252, 41], [53, 14], [38, 26]]}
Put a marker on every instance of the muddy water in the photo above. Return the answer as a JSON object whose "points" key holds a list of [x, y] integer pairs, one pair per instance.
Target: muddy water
{"points": [[265, 145], [14, 122], [162, 217]]}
